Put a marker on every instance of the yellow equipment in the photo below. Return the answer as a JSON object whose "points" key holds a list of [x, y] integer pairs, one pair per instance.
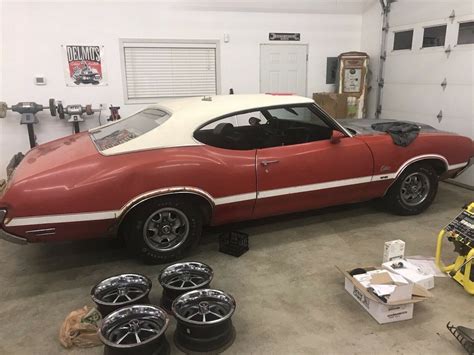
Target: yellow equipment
{"points": [[460, 232]]}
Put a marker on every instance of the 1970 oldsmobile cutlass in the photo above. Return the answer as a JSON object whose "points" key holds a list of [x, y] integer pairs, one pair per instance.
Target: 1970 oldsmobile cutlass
{"points": [[159, 175]]}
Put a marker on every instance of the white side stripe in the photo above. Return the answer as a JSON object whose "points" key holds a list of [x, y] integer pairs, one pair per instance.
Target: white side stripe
{"points": [[235, 198], [104, 215], [62, 218], [313, 187]]}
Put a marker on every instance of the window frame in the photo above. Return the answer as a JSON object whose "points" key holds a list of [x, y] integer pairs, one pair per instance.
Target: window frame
{"points": [[459, 28], [332, 123], [445, 25], [162, 43], [412, 30]]}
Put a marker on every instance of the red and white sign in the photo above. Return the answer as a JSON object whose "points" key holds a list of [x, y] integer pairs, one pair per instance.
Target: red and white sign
{"points": [[84, 65]]}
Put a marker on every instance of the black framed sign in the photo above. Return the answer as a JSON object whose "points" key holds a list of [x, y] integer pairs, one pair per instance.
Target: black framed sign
{"points": [[275, 36]]}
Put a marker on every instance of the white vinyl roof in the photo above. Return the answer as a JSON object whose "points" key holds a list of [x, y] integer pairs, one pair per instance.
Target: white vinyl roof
{"points": [[190, 113]]}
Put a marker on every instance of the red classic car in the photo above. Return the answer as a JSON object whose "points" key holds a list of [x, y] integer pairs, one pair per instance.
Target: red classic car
{"points": [[157, 177]]}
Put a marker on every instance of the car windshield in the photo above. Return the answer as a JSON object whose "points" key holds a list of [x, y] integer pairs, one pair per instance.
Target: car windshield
{"points": [[128, 128]]}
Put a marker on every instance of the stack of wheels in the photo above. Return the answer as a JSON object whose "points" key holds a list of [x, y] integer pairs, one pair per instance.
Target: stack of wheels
{"points": [[120, 291], [204, 321], [135, 330], [180, 278]]}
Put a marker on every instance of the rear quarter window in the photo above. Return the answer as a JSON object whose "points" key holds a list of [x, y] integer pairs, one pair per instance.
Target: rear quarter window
{"points": [[128, 128]]}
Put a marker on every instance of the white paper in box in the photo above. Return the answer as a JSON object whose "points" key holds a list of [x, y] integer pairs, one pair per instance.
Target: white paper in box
{"points": [[411, 272]]}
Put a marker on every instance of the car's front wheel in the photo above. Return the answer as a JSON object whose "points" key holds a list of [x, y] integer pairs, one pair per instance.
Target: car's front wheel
{"points": [[413, 191], [164, 229]]}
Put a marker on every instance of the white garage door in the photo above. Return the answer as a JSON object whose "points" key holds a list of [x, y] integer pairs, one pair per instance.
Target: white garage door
{"points": [[413, 77]]}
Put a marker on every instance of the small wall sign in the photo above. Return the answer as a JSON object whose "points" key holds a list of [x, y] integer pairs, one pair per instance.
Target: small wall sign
{"points": [[274, 36]]}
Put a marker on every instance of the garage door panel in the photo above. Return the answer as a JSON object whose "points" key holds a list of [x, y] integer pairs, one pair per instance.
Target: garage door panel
{"points": [[458, 102], [416, 68], [411, 98]]}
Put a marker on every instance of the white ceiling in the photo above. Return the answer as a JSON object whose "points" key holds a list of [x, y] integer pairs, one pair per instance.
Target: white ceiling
{"points": [[289, 6], [286, 6]]}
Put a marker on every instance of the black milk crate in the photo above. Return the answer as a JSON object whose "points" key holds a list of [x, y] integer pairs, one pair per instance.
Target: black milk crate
{"points": [[234, 243]]}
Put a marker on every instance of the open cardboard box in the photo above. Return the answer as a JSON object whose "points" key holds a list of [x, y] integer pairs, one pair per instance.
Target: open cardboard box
{"points": [[396, 308]]}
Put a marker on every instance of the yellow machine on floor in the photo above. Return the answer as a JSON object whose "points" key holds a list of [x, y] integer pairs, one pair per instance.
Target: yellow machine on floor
{"points": [[460, 232]]}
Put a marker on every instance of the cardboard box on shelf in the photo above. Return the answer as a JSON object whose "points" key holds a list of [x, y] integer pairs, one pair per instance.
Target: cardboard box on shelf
{"points": [[394, 249], [334, 104], [398, 306], [411, 273]]}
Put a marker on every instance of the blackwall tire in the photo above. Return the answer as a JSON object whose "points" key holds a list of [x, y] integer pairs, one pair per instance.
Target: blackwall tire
{"points": [[164, 230], [413, 191], [119, 291], [180, 278], [204, 321], [135, 330]]}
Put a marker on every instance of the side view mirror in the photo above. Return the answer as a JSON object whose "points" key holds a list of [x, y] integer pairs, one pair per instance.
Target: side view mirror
{"points": [[336, 137]]}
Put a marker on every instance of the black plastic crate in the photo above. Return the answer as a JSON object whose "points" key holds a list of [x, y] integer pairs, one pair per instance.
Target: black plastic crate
{"points": [[234, 243]]}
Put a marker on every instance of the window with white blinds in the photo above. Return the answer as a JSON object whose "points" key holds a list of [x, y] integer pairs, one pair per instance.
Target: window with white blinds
{"points": [[165, 69]]}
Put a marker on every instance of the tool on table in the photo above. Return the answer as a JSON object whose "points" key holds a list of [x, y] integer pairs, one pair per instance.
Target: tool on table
{"points": [[28, 111]]}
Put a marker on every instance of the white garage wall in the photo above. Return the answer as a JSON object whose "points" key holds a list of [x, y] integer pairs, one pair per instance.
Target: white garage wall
{"points": [[33, 33]]}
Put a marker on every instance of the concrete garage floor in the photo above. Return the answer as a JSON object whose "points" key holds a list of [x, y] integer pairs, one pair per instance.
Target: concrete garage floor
{"points": [[290, 297]]}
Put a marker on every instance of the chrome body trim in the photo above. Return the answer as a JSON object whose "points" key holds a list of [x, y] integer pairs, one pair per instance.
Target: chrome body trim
{"points": [[163, 192], [468, 165], [12, 238]]}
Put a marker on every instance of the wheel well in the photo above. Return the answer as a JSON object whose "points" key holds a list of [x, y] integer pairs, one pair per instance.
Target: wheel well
{"points": [[204, 205], [438, 165]]}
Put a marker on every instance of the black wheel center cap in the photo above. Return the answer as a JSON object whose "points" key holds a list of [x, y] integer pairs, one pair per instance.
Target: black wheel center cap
{"points": [[166, 229]]}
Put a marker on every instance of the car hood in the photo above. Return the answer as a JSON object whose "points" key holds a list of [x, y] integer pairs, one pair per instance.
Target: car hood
{"points": [[65, 152], [364, 126]]}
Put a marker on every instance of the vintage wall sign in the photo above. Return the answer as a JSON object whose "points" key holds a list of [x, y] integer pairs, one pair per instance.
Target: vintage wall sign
{"points": [[274, 36], [84, 65]]}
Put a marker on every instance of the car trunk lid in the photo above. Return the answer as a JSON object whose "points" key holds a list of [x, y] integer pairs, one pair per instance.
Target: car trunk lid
{"points": [[47, 157]]}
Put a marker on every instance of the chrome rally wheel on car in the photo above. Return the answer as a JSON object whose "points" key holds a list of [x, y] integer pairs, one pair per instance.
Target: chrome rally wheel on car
{"points": [[204, 321], [162, 230], [135, 330], [180, 278], [121, 290], [413, 191]]}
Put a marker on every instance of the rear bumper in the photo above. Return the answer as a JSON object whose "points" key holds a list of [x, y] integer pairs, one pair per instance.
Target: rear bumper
{"points": [[12, 238]]}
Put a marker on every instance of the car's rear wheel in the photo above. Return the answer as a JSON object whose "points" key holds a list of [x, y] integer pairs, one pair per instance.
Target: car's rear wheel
{"points": [[413, 191], [164, 229]]}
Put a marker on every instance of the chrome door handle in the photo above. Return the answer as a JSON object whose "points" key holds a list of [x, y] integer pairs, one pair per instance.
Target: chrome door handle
{"points": [[268, 162]]}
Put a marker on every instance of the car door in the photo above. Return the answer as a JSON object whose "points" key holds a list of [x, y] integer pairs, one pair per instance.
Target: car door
{"points": [[309, 170]]}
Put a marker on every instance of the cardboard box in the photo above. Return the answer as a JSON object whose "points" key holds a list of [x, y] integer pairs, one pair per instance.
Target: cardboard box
{"points": [[334, 104], [411, 273], [394, 309], [394, 249]]}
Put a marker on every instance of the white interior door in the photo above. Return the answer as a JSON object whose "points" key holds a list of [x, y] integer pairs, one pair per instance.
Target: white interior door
{"points": [[283, 68]]}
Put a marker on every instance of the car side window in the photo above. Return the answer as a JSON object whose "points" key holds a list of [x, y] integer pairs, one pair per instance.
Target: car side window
{"points": [[266, 128], [297, 125], [237, 131]]}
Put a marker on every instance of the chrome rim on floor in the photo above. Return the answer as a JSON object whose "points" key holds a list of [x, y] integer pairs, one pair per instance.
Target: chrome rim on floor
{"points": [[180, 278], [119, 291], [204, 320], [166, 229], [137, 330], [415, 189]]}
